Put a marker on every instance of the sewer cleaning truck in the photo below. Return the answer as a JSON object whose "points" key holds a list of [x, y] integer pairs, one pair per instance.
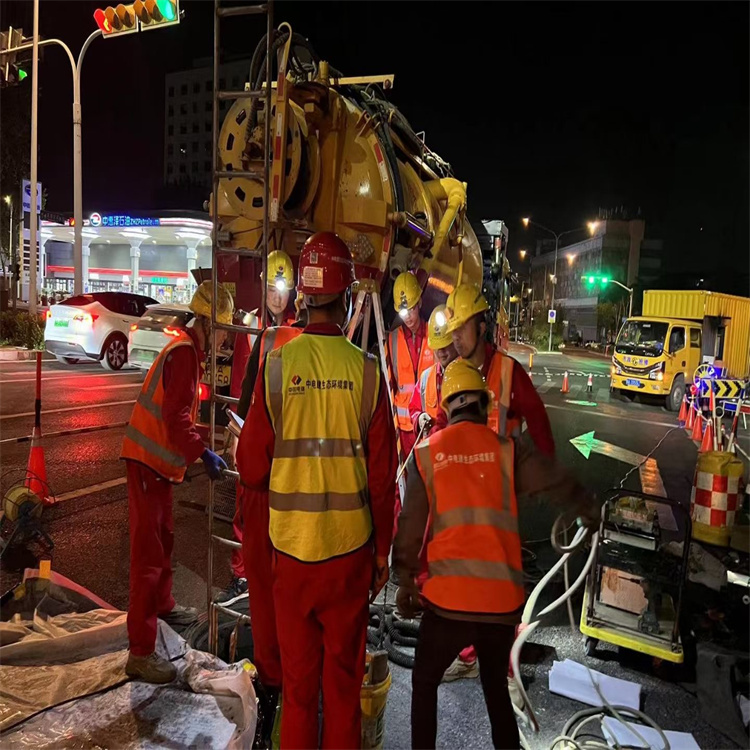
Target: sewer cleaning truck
{"points": [[682, 337]]}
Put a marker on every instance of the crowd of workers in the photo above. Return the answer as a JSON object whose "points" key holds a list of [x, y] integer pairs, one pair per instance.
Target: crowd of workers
{"points": [[316, 511]]}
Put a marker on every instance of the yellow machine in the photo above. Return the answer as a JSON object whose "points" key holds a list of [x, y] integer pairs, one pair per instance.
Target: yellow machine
{"points": [[659, 352], [344, 159]]}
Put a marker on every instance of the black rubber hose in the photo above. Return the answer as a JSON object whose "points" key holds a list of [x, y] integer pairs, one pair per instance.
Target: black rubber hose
{"points": [[397, 656], [409, 627]]}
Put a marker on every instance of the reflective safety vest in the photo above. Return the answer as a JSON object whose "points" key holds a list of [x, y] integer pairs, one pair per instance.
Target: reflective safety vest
{"points": [[403, 373], [321, 393], [428, 391], [500, 382], [255, 323], [474, 550], [146, 438], [273, 338]]}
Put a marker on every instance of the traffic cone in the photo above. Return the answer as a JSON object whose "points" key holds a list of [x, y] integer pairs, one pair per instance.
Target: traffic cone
{"points": [[697, 432], [565, 387], [36, 471], [590, 384], [707, 444], [682, 418], [690, 418]]}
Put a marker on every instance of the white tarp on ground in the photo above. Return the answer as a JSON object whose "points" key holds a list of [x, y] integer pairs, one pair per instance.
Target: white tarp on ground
{"points": [[63, 684]]}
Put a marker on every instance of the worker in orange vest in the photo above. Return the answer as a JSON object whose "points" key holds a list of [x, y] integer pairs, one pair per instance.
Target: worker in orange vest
{"points": [[427, 416], [319, 448], [245, 362], [514, 399], [410, 355], [463, 481], [161, 441]]}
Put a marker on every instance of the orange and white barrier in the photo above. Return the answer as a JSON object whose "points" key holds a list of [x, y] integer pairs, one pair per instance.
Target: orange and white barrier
{"points": [[714, 499]]}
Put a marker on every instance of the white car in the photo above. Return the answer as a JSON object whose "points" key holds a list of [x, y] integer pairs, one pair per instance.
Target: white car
{"points": [[94, 327], [150, 334]]}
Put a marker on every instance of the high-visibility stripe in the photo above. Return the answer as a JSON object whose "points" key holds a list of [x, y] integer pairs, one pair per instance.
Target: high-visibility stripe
{"points": [[424, 466], [319, 448], [498, 571], [423, 388], [173, 459], [318, 502], [473, 516], [274, 397]]}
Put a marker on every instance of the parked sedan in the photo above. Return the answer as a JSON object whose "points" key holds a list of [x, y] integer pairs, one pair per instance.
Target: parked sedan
{"points": [[94, 327], [150, 334]]}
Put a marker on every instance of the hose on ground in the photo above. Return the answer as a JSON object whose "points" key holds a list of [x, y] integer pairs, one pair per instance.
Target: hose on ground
{"points": [[393, 634]]}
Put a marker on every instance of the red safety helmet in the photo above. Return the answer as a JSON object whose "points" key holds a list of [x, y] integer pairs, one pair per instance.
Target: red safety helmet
{"points": [[326, 268]]}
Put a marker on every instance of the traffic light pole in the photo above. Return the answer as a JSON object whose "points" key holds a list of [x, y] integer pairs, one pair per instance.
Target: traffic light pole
{"points": [[33, 224], [77, 158], [629, 290]]}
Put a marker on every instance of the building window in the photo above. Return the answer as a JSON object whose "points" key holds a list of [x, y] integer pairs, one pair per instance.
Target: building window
{"points": [[195, 108], [195, 166], [196, 128], [170, 169], [183, 108], [171, 91], [170, 129], [208, 127], [195, 147], [170, 110], [209, 106], [182, 169], [208, 147], [183, 89], [209, 85], [170, 149], [207, 166], [183, 150], [183, 129], [196, 87]]}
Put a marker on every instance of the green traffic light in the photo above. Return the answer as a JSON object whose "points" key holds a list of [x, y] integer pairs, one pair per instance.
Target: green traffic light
{"points": [[591, 279], [604, 279], [22, 74], [167, 9]]}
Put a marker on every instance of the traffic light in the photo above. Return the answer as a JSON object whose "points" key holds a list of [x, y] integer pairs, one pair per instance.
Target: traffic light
{"points": [[591, 280], [153, 13], [11, 72], [116, 20]]}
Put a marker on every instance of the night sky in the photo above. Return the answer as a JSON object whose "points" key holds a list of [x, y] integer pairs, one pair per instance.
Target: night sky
{"points": [[552, 110]]}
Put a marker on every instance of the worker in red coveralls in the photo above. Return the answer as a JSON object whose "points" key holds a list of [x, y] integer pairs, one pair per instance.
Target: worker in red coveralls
{"points": [[410, 355], [278, 289], [319, 446], [514, 399], [161, 441]]}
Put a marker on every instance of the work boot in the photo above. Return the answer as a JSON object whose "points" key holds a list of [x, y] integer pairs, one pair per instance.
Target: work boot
{"points": [[461, 670], [235, 590], [180, 616], [151, 668]]}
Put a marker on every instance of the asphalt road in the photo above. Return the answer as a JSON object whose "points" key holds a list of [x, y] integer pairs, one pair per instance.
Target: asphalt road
{"points": [[90, 526]]}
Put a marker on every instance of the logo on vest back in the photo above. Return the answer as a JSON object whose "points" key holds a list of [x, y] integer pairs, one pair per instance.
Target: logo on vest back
{"points": [[298, 386], [443, 460]]}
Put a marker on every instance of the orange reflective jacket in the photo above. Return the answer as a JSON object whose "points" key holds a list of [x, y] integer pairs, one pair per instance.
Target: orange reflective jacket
{"points": [[275, 337], [474, 550], [404, 376], [146, 438], [428, 392], [500, 382]]}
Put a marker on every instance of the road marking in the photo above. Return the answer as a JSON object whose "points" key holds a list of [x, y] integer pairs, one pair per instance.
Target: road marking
{"points": [[611, 416], [583, 403], [544, 387], [63, 433], [91, 489], [32, 377], [575, 390], [66, 409], [107, 388], [602, 394]]}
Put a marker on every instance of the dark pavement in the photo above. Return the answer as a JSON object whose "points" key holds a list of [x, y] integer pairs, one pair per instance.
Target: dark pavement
{"points": [[90, 528]]}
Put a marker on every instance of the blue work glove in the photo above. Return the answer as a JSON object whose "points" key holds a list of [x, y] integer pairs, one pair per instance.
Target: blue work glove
{"points": [[214, 464]]}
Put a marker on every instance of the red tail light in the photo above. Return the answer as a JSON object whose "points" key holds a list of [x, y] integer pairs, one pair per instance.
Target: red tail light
{"points": [[85, 318], [171, 331], [134, 326], [204, 392]]}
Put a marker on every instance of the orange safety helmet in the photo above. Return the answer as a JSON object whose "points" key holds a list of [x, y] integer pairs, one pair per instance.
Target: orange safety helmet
{"points": [[326, 268]]}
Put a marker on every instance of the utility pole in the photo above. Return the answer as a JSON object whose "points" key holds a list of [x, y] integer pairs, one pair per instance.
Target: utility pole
{"points": [[33, 225]]}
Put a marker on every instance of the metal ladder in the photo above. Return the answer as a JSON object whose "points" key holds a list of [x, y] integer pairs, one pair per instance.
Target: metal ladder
{"points": [[220, 246]]}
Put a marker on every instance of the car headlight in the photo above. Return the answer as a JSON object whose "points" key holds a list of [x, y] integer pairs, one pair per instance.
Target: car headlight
{"points": [[657, 373]]}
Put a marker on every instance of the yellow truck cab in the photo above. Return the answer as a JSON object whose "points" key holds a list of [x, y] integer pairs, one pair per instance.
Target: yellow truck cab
{"points": [[658, 352]]}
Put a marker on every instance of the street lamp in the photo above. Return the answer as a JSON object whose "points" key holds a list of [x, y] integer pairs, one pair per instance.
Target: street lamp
{"points": [[571, 259], [522, 253], [592, 226]]}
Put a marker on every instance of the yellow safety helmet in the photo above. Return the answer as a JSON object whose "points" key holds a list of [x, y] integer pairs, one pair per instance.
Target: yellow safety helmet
{"points": [[406, 292], [464, 302], [438, 336], [280, 271], [461, 376], [201, 302]]}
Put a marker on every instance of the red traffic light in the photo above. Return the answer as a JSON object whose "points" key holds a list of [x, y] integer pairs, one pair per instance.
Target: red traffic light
{"points": [[101, 21]]}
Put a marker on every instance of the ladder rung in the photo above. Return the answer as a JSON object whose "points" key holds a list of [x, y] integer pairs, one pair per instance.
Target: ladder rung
{"points": [[223, 95], [244, 252], [226, 399], [226, 542], [252, 174], [230, 473], [238, 329], [242, 10]]}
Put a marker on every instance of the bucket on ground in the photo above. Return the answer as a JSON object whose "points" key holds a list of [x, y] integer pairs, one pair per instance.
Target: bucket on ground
{"points": [[713, 501], [373, 699]]}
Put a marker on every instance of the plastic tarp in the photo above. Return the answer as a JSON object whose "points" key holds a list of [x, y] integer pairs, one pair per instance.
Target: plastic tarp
{"points": [[63, 682]]}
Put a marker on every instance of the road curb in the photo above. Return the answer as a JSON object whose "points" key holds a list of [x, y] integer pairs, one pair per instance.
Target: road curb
{"points": [[15, 355]]}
